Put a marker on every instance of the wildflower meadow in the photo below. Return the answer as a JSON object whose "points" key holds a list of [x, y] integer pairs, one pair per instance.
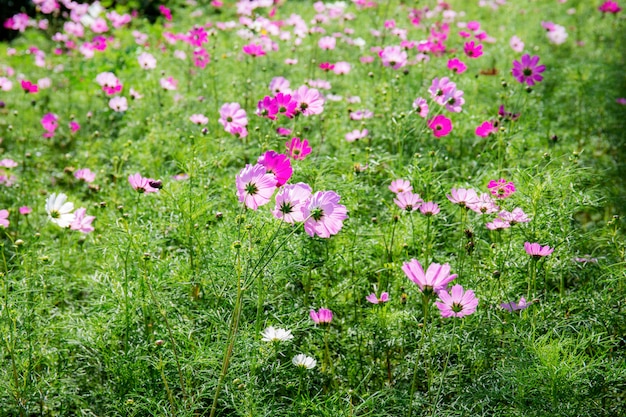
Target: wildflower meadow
{"points": [[300, 208]]}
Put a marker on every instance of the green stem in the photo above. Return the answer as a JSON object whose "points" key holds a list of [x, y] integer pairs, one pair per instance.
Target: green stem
{"points": [[425, 307]]}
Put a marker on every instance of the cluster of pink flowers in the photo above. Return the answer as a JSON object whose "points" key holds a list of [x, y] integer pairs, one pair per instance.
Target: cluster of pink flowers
{"points": [[456, 303], [407, 200], [321, 212]]}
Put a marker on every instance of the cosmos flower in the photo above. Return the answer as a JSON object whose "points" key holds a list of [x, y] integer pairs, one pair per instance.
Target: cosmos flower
{"points": [[457, 303], [513, 306], [60, 211], [303, 361], [527, 71], [440, 125], [82, 222], [272, 334], [290, 201], [436, 278], [298, 148], [372, 298], [322, 316], [536, 250], [323, 214], [255, 186]]}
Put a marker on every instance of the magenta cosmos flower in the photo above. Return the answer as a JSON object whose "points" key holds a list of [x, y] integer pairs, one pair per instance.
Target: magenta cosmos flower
{"points": [[485, 129], [277, 164], [323, 214], [436, 278], [440, 125], [610, 7], [290, 202], [472, 50], [536, 250], [501, 188], [372, 298], [456, 65], [457, 303], [527, 71], [255, 186], [298, 148], [141, 184], [322, 316]]}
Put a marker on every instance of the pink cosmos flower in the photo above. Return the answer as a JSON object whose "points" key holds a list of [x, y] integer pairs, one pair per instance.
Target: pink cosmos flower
{"points": [[440, 125], [429, 208], [327, 42], [309, 100], [169, 83], [199, 119], [323, 214], [516, 216], [400, 186], [361, 114], [408, 201], [436, 278], [4, 218], [298, 149], [621, 101], [536, 250], [280, 85], [197, 36], [501, 188], [372, 298], [322, 316], [255, 186], [484, 205], [147, 61], [610, 7], [141, 184], [463, 197], [283, 131], [25, 210], [453, 99], [342, 68], [277, 164], [498, 224], [513, 306], [231, 114], [326, 66], [8, 163], [167, 13], [82, 222], [457, 65], [201, 58], [421, 107], [472, 50], [50, 123], [284, 104], [527, 71], [118, 104], [253, 50], [356, 135], [457, 303], [485, 129], [516, 44], [394, 57], [29, 87], [74, 127], [290, 201], [439, 88], [85, 174]]}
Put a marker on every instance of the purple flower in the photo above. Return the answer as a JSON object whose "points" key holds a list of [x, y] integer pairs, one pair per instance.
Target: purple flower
{"points": [[527, 71]]}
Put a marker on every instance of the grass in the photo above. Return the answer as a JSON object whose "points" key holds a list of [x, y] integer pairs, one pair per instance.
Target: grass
{"points": [[159, 310]]}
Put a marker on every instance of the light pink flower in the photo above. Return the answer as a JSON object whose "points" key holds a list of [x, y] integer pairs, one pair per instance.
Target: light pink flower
{"points": [[147, 61], [356, 135], [400, 186], [463, 197], [516, 216], [436, 278], [457, 303], [25, 210], [169, 83], [372, 298], [255, 186], [4, 218], [327, 42], [141, 184], [85, 174], [231, 114], [536, 250], [322, 316], [438, 89], [323, 214], [118, 104], [82, 222], [429, 208], [393, 56], [498, 224], [199, 119], [421, 107], [309, 100], [408, 201], [516, 44], [484, 205], [290, 201]]}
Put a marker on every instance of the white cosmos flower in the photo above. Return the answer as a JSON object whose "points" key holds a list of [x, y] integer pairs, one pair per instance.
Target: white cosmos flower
{"points": [[60, 210], [304, 361], [272, 334]]}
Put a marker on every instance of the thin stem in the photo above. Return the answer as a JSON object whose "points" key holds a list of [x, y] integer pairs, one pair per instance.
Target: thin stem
{"points": [[425, 306]]}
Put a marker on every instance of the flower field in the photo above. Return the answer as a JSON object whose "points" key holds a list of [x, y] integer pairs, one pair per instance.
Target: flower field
{"points": [[294, 208]]}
